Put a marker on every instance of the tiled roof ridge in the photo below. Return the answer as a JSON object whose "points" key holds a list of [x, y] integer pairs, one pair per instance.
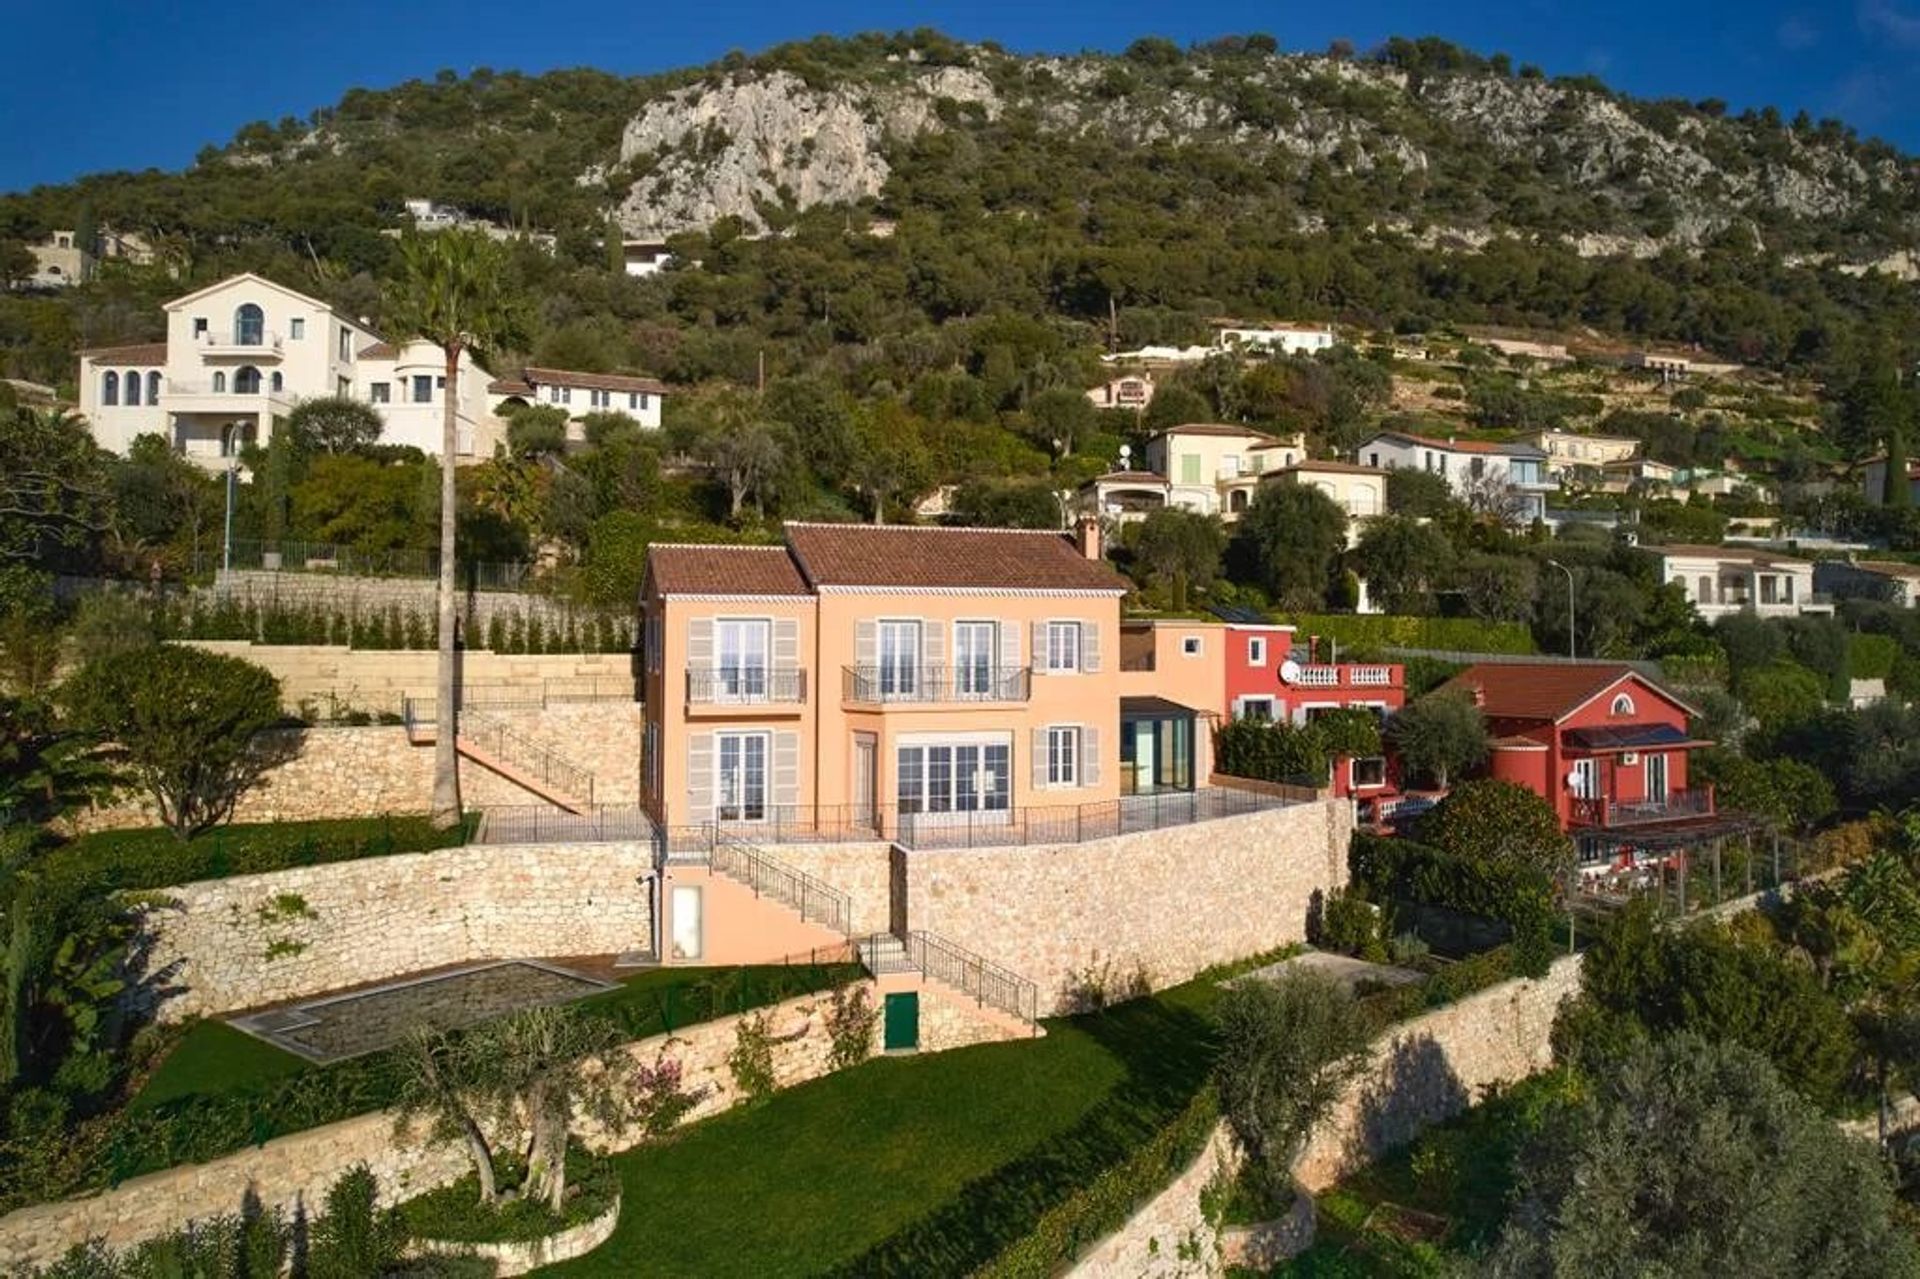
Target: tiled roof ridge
{"points": [[924, 528]]}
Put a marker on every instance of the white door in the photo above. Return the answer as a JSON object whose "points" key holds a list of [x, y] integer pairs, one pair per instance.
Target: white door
{"points": [[686, 929], [740, 659], [899, 660], [1656, 779], [866, 763], [1586, 779], [740, 777]]}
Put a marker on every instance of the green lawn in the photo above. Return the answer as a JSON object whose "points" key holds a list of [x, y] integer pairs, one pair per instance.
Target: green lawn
{"points": [[910, 1165], [213, 1059]]}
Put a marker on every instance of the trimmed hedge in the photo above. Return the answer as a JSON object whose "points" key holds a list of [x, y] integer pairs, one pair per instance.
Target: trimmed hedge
{"points": [[1379, 630], [1103, 1205], [1521, 896], [1449, 985], [150, 857], [1297, 753]]}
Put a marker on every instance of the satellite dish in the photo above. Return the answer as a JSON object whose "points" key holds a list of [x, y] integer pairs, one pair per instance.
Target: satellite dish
{"points": [[1126, 455], [1573, 778], [1289, 671]]}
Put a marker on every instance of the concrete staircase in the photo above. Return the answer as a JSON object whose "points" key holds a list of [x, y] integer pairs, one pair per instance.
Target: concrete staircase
{"points": [[487, 741], [998, 993]]}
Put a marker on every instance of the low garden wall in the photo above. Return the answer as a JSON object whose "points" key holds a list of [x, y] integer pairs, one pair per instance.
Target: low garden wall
{"points": [[226, 944], [1170, 1234], [1167, 903], [293, 1173]]}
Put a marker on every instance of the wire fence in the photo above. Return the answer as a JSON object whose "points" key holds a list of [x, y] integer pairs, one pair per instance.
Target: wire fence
{"points": [[330, 559]]}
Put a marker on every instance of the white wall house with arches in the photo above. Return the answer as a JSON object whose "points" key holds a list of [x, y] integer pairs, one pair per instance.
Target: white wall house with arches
{"points": [[242, 353]]}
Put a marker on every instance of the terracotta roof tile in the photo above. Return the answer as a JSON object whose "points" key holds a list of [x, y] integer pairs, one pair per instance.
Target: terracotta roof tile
{"points": [[1542, 690], [688, 569], [140, 353], [594, 381], [1222, 429], [379, 351], [1330, 467], [903, 556]]}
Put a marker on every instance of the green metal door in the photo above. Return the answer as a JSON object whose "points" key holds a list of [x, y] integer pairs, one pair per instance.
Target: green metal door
{"points": [[903, 1022]]}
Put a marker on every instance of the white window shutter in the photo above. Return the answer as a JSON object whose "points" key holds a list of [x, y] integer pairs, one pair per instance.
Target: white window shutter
{"points": [[786, 771], [1009, 641], [699, 643], [933, 642], [1039, 758], [866, 643], [1090, 647], [1089, 755], [1040, 648], [699, 777]]}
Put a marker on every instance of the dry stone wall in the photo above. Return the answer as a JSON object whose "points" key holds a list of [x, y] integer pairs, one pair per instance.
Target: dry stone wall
{"points": [[1167, 902], [293, 1173], [249, 940], [1169, 1236]]}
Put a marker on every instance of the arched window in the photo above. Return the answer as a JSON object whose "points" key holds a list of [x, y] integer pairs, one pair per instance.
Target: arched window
{"points": [[249, 325], [1706, 588], [1623, 705], [133, 387], [219, 383], [276, 381], [153, 387], [109, 387], [246, 380]]}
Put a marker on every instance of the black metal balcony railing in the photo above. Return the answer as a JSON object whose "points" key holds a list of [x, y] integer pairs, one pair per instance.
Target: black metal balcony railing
{"points": [[746, 686], [1611, 814], [888, 683]]}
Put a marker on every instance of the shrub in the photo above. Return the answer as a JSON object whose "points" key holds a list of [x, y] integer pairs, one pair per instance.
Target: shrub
{"points": [[1288, 1048], [1440, 735], [1498, 821], [660, 1098], [1520, 895], [751, 1061], [1270, 752], [1379, 630], [1353, 925], [183, 722], [851, 1017]]}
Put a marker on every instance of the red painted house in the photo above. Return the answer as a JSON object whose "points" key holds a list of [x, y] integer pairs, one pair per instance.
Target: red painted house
{"points": [[1600, 742]]}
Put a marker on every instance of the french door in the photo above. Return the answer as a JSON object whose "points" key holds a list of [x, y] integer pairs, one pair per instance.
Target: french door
{"points": [[975, 648], [1656, 779], [740, 659], [1586, 779], [740, 777], [899, 659]]}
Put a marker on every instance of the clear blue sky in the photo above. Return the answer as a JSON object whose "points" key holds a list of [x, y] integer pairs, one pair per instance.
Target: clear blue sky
{"points": [[130, 84]]}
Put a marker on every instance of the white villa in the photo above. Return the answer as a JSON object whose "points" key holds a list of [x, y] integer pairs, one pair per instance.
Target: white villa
{"points": [[1573, 450], [1284, 339], [1467, 464], [1733, 579], [580, 394], [1215, 467], [240, 354], [1360, 491]]}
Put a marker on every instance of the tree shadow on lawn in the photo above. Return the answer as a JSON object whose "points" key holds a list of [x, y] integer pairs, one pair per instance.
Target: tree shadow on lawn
{"points": [[1167, 1050]]}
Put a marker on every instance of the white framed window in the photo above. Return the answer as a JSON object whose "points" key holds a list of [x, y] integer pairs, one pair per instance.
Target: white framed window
{"points": [[976, 647], [1585, 779], [1622, 705], [297, 327], [1063, 755], [1369, 772], [1257, 708], [1257, 650], [954, 775], [380, 392], [422, 389], [899, 651], [1190, 645], [346, 346], [740, 649], [740, 776], [1063, 646], [110, 388]]}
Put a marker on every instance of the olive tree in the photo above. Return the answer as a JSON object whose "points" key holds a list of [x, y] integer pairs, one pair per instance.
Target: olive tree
{"points": [[1288, 1049], [1440, 735], [334, 424], [182, 723]]}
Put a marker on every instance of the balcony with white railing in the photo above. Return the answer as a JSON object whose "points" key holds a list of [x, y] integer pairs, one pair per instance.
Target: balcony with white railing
{"points": [[258, 346], [1348, 675]]}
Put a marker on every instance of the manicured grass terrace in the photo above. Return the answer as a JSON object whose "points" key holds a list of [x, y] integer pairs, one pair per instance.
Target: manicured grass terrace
{"points": [[911, 1165]]}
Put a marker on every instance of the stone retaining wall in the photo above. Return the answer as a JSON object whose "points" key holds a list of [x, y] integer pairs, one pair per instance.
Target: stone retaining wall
{"points": [[517, 1258], [863, 872], [1167, 902], [248, 940], [349, 594], [370, 770], [1169, 1235]]}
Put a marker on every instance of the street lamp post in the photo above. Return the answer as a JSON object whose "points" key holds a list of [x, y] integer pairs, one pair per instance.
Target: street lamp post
{"points": [[226, 541], [1569, 572]]}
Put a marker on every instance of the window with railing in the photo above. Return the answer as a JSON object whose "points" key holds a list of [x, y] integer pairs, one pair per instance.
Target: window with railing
{"points": [[740, 651]]}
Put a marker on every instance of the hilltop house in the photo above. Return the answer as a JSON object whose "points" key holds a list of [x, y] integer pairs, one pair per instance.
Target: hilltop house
{"points": [[240, 354], [1731, 579], [580, 394], [1215, 467], [1280, 339], [1601, 743], [1890, 581], [1471, 468], [1133, 391], [1570, 452], [1360, 491]]}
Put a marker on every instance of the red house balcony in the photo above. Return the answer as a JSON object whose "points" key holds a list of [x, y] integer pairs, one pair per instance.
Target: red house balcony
{"points": [[1604, 813]]}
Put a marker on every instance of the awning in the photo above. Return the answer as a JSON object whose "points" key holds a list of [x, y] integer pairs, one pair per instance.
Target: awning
{"points": [[1637, 737], [1154, 708]]}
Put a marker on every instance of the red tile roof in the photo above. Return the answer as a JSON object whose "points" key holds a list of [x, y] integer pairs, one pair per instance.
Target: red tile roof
{"points": [[690, 569], [379, 351], [1463, 446], [912, 557], [141, 353], [509, 386], [593, 381], [1330, 467], [1223, 429], [1538, 691]]}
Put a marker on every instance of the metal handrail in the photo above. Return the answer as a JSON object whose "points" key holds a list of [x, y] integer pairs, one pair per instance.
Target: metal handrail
{"points": [[971, 974], [1611, 814], [746, 686], [879, 683], [543, 824], [556, 771], [817, 901]]}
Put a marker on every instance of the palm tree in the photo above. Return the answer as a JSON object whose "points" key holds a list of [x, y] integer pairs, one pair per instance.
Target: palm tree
{"points": [[452, 293]]}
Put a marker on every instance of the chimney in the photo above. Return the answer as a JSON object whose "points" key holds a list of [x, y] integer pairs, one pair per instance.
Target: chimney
{"points": [[1088, 536], [1480, 695]]}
